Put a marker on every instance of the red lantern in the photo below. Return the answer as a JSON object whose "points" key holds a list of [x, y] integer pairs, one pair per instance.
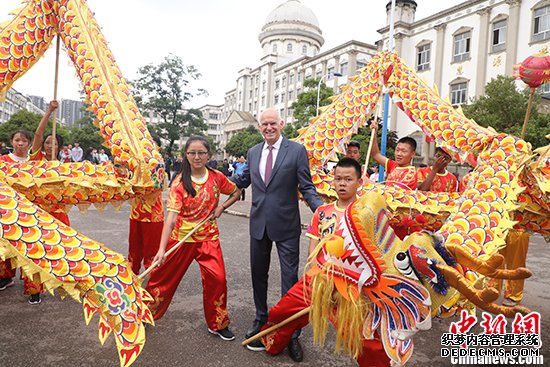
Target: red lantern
{"points": [[534, 70]]}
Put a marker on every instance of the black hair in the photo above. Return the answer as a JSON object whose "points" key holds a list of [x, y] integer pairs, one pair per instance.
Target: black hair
{"points": [[441, 150], [59, 139], [408, 140], [354, 143], [185, 169], [347, 163], [157, 141], [25, 133]]}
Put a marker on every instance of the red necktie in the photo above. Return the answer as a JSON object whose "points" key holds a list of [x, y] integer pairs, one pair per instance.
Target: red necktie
{"points": [[268, 164]]}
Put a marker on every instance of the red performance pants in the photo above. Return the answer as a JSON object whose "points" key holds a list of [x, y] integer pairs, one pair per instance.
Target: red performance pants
{"points": [[143, 243], [294, 301], [165, 280]]}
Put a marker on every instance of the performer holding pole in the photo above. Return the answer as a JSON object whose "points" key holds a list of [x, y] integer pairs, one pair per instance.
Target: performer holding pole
{"points": [[194, 196], [53, 151]]}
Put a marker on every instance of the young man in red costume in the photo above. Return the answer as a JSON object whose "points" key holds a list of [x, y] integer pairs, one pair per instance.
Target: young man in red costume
{"points": [[436, 178], [399, 172], [347, 180]]}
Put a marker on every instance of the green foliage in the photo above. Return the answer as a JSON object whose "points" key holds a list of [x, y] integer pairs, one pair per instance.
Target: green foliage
{"points": [[503, 108], [25, 120], [85, 133], [363, 137], [306, 102], [163, 89], [241, 142], [289, 131]]}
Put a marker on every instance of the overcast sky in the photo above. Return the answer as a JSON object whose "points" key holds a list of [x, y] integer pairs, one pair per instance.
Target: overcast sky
{"points": [[218, 37]]}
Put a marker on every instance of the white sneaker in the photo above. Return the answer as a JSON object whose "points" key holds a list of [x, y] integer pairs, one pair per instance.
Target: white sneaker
{"points": [[508, 302]]}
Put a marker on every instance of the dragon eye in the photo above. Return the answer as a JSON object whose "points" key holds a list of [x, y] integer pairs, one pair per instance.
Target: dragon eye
{"points": [[402, 262]]}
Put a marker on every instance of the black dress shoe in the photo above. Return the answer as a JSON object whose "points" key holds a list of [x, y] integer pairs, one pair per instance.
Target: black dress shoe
{"points": [[255, 329], [295, 350]]}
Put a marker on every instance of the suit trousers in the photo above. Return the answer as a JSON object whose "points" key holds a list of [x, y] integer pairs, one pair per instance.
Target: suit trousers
{"points": [[260, 259]]}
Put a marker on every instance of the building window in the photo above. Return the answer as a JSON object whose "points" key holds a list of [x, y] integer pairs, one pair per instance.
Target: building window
{"points": [[499, 36], [213, 116], [284, 82], [263, 101], [541, 29], [291, 78], [282, 113], [459, 93], [304, 49], [276, 98], [289, 47], [282, 97], [318, 74], [330, 72], [264, 86], [344, 68], [360, 65], [290, 95], [277, 84], [275, 48], [423, 57], [299, 76], [461, 46], [544, 89]]}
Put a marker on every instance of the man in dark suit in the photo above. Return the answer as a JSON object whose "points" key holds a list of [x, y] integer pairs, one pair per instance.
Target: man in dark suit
{"points": [[277, 169]]}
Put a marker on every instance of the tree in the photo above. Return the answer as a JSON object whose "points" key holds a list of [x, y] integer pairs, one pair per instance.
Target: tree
{"points": [[363, 137], [163, 90], [85, 133], [241, 142], [25, 120], [305, 105], [503, 107]]}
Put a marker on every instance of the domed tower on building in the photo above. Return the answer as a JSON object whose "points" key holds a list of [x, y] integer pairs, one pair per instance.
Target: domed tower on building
{"points": [[291, 31]]}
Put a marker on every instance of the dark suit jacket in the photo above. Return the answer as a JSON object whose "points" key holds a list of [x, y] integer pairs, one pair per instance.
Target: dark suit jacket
{"points": [[275, 206]]}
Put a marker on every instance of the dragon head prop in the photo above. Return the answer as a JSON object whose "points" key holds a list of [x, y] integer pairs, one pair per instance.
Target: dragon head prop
{"points": [[376, 285]]}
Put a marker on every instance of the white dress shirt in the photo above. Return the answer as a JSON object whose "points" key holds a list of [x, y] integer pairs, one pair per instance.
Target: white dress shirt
{"points": [[265, 152]]}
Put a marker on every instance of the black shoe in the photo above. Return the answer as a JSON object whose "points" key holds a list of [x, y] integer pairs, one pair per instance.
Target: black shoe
{"points": [[255, 329], [256, 346], [225, 333], [5, 283], [295, 350], [35, 299]]}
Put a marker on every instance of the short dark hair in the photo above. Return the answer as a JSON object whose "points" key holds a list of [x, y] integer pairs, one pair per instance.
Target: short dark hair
{"points": [[25, 133], [347, 163], [408, 140], [441, 150], [354, 143]]}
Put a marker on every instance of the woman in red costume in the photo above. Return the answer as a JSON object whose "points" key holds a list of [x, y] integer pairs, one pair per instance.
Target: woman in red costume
{"points": [[194, 195]]}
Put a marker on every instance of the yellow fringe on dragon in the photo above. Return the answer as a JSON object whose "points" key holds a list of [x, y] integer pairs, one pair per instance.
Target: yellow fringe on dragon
{"points": [[456, 236], [43, 248]]}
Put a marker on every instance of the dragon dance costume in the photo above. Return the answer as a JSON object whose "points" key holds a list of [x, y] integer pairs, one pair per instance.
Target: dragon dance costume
{"points": [[323, 224], [203, 246], [146, 223]]}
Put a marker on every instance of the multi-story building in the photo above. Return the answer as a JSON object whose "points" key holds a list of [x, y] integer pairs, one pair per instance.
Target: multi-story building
{"points": [[71, 111], [213, 118], [15, 102], [291, 41], [460, 49]]}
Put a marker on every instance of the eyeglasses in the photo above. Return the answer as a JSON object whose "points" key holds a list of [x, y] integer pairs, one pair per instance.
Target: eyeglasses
{"points": [[194, 154]]}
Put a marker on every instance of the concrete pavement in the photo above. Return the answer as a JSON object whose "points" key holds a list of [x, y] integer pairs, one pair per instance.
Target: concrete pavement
{"points": [[54, 333]]}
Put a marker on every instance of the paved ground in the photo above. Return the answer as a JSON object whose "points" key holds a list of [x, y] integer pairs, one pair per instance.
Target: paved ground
{"points": [[54, 333]]}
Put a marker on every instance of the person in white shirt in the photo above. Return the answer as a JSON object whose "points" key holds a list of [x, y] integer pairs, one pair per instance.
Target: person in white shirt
{"points": [[77, 153]]}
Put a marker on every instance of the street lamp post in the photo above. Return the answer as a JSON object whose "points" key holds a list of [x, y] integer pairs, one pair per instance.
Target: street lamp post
{"points": [[319, 86]]}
